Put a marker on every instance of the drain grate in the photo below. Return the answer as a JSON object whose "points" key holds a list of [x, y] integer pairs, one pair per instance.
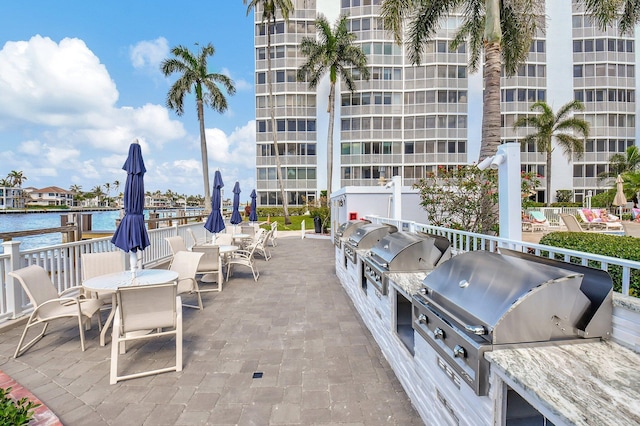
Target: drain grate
{"points": [[257, 375]]}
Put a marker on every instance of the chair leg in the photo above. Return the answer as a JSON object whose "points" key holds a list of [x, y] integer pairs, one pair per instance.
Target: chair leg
{"points": [[178, 335], [22, 349], [80, 321], [113, 377]]}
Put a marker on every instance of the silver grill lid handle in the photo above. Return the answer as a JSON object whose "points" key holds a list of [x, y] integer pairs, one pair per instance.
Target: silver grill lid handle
{"points": [[476, 329]]}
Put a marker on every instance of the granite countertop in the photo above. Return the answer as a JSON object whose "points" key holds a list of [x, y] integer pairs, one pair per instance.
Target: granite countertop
{"points": [[629, 303], [593, 383], [408, 282]]}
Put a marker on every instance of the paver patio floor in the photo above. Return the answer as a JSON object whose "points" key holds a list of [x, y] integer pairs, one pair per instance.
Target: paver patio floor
{"points": [[296, 326]]}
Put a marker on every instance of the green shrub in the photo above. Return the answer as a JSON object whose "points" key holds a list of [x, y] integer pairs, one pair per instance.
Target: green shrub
{"points": [[603, 244], [15, 413], [279, 211], [566, 204]]}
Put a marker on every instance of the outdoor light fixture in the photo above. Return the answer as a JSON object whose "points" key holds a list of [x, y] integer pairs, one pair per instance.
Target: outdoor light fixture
{"points": [[497, 160], [485, 163]]}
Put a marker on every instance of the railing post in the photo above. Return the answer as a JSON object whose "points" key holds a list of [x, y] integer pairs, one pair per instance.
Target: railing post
{"points": [[14, 297], [302, 229]]}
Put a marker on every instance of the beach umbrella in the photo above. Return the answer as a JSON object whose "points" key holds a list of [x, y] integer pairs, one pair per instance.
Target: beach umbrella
{"points": [[253, 215], [235, 215], [215, 223], [619, 200], [131, 234]]}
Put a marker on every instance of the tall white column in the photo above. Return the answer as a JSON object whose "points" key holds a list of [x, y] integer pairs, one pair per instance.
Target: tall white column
{"points": [[509, 190]]}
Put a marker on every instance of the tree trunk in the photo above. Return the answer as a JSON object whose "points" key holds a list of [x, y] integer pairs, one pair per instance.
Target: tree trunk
{"points": [[491, 105], [547, 173], [332, 113], [205, 159], [272, 111]]}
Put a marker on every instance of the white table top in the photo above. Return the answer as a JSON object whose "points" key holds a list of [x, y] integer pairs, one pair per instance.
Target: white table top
{"points": [[241, 236], [111, 282], [228, 249]]}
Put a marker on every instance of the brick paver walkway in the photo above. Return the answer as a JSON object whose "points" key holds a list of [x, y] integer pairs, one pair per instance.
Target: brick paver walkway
{"points": [[296, 326]]}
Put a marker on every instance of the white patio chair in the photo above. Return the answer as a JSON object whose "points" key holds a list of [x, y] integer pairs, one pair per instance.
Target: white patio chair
{"points": [[185, 263], [49, 305], [261, 244], [103, 263], [176, 244], [196, 241], [243, 258], [223, 239], [210, 263], [146, 312]]}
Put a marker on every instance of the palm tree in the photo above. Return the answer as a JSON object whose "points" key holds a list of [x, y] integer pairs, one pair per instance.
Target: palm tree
{"points": [[16, 178], [6, 182], [116, 185], [97, 192], [560, 126], [334, 53], [196, 76], [621, 163], [107, 188], [270, 9], [503, 30]]}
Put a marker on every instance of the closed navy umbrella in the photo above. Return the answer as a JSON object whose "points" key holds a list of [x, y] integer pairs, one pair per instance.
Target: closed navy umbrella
{"points": [[215, 223], [253, 215], [235, 215], [131, 234]]}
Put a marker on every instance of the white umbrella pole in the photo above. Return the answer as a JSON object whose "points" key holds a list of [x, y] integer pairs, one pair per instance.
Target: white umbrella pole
{"points": [[133, 260]]}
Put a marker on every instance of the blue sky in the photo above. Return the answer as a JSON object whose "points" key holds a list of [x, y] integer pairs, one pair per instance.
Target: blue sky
{"points": [[79, 80]]}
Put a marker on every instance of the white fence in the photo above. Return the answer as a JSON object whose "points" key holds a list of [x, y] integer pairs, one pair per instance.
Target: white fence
{"points": [[63, 262]]}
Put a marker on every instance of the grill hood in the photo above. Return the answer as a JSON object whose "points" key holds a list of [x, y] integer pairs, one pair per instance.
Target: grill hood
{"points": [[515, 297]]}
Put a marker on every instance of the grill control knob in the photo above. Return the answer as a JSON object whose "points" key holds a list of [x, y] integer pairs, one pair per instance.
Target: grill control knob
{"points": [[422, 319], [438, 333], [459, 352], [423, 290]]}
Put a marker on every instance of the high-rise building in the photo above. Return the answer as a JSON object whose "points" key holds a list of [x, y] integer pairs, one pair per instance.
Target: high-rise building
{"points": [[410, 120]]}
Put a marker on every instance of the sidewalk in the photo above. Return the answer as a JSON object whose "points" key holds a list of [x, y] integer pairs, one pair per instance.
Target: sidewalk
{"points": [[296, 326]]}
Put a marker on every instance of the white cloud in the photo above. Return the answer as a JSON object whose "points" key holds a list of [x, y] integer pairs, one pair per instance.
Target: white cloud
{"points": [[149, 53], [238, 148], [43, 82], [63, 99], [239, 83]]}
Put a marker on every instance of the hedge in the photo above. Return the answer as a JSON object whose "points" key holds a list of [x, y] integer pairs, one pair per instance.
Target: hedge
{"points": [[603, 244]]}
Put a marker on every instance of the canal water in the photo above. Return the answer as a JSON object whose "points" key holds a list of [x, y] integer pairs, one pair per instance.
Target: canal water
{"points": [[101, 221]]}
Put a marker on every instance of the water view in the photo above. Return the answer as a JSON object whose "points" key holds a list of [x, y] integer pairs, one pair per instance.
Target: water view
{"points": [[101, 221]]}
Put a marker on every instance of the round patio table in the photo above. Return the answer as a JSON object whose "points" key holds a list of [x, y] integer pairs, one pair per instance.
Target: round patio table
{"points": [[109, 283]]}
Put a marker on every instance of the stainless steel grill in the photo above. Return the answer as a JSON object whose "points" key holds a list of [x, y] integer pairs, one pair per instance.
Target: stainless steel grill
{"points": [[478, 301], [346, 229], [365, 237], [403, 252]]}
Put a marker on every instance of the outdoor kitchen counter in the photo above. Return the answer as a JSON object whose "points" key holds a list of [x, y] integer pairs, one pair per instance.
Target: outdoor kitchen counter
{"points": [[408, 282], [595, 383]]}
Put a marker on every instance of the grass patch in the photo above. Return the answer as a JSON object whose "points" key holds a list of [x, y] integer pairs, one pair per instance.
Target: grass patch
{"points": [[296, 222]]}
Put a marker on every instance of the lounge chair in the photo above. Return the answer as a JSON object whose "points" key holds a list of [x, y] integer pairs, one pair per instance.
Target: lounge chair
{"points": [[146, 312], [210, 265], [571, 223], [176, 244], [537, 222], [49, 305], [593, 219]]}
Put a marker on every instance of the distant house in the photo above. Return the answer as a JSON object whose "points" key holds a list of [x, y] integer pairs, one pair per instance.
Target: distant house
{"points": [[49, 196], [11, 198], [155, 200]]}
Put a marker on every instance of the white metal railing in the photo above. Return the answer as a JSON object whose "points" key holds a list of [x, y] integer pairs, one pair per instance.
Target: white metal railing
{"points": [[62, 261], [462, 241]]}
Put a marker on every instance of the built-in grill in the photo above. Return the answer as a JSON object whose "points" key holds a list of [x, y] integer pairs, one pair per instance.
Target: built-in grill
{"points": [[403, 252], [477, 301], [346, 229], [365, 237]]}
